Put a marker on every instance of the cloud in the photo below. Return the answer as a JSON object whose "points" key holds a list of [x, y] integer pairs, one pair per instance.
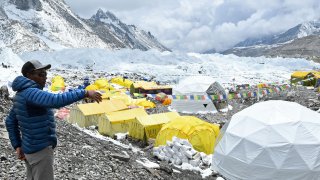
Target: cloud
{"points": [[188, 25]]}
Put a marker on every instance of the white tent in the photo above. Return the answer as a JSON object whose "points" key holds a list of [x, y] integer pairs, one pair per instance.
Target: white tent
{"points": [[193, 106], [194, 85], [270, 140]]}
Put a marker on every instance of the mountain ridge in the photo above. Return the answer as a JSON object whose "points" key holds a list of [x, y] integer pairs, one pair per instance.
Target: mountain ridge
{"points": [[298, 31], [300, 41], [51, 25]]}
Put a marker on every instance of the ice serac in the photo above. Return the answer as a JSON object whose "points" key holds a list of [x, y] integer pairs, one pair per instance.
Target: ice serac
{"points": [[50, 25]]}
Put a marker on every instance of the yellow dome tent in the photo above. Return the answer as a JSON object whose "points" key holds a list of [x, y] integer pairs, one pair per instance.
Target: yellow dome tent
{"points": [[92, 87], [57, 83], [143, 102], [202, 135], [102, 83], [121, 81]]}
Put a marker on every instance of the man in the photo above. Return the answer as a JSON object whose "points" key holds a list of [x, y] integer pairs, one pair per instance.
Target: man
{"points": [[30, 123]]}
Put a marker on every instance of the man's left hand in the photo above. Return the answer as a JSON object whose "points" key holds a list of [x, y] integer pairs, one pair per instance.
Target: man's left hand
{"points": [[20, 154]]}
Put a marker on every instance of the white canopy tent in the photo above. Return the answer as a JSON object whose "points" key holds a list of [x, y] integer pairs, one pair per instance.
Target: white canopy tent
{"points": [[270, 140], [194, 85], [193, 106]]}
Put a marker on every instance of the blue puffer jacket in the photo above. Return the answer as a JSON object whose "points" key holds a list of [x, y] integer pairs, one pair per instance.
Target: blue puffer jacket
{"points": [[30, 123]]}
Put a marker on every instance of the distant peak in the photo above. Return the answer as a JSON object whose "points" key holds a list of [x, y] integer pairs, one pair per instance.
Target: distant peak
{"points": [[100, 11], [308, 28], [100, 15], [314, 23]]}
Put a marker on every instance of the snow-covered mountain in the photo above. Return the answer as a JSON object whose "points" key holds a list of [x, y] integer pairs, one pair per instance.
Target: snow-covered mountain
{"points": [[299, 31], [300, 41], [111, 30], [29, 25]]}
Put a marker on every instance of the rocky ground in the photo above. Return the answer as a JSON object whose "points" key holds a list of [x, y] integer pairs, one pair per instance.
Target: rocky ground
{"points": [[81, 156]]}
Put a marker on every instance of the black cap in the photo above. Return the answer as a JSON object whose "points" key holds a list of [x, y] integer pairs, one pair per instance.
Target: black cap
{"points": [[33, 65]]}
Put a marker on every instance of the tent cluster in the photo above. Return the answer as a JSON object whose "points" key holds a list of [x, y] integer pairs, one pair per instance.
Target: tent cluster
{"points": [[134, 93], [120, 112], [268, 140], [114, 116], [306, 78]]}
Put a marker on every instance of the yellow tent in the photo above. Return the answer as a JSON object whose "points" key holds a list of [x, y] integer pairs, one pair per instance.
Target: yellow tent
{"points": [[311, 79], [145, 127], [57, 83], [200, 134], [144, 84], [102, 83], [299, 76], [57, 78], [118, 122], [123, 97], [121, 81], [88, 114], [149, 88], [143, 102], [92, 87], [106, 94]]}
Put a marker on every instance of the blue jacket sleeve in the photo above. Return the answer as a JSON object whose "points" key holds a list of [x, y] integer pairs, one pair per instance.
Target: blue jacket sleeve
{"points": [[13, 129], [49, 100]]}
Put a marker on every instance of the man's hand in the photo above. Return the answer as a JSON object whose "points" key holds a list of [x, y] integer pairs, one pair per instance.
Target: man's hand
{"points": [[20, 154], [94, 95]]}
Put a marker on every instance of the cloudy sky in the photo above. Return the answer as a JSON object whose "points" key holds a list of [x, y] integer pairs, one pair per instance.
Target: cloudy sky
{"points": [[200, 25]]}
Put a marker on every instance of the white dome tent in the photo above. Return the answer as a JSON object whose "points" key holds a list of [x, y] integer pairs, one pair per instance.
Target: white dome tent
{"points": [[270, 140]]}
